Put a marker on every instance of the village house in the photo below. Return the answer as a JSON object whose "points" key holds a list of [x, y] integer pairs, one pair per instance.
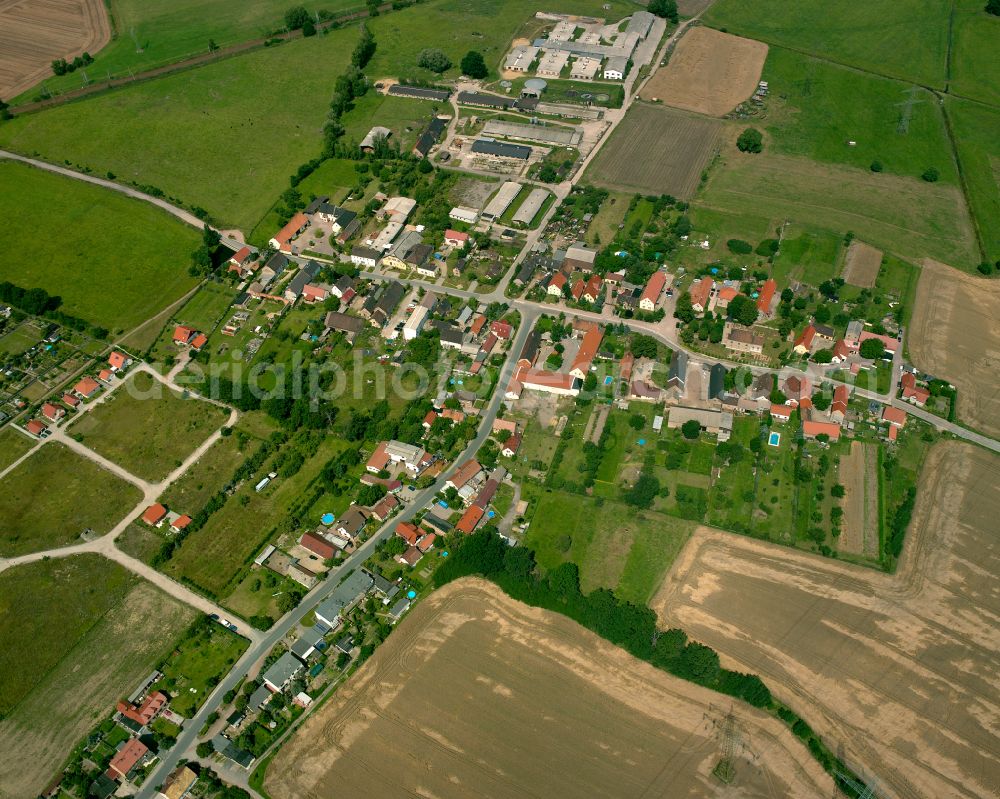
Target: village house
{"points": [[838, 408], [894, 416], [700, 293], [470, 520], [766, 297], [511, 446], [781, 413], [717, 422], [742, 339], [797, 391], [813, 429], [352, 522], [556, 284], [579, 258], [282, 672], [338, 322], [154, 515], [129, 759], [146, 711], [651, 293], [804, 343], [281, 240], [365, 257], [240, 261], [917, 395], [118, 360], [725, 295], [36, 428], [53, 412], [343, 598], [455, 238]]}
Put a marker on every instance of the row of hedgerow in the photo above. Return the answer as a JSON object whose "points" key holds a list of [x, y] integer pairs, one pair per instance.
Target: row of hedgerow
{"points": [[630, 626]]}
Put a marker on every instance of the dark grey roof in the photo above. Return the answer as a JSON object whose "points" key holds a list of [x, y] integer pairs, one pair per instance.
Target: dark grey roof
{"points": [[399, 608], [277, 263], [365, 252], [448, 332], [344, 282], [526, 103], [241, 299], [716, 381], [526, 270], [283, 669], [501, 149], [307, 641], [678, 368], [399, 90], [258, 697], [235, 717], [305, 274], [486, 100], [314, 206], [344, 595], [390, 297], [345, 644], [530, 349], [824, 330], [437, 523], [239, 756], [418, 254]]}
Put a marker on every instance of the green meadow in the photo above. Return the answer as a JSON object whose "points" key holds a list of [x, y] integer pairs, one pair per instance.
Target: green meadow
{"points": [[906, 39], [114, 261], [977, 134]]}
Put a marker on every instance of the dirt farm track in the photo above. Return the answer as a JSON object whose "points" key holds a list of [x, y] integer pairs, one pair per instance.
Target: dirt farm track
{"points": [[35, 32], [954, 335], [477, 695], [901, 670]]}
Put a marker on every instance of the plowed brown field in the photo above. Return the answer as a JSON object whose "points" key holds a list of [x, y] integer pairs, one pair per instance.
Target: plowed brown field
{"points": [[901, 670], [710, 72], [33, 33], [479, 695], [954, 335], [862, 265]]}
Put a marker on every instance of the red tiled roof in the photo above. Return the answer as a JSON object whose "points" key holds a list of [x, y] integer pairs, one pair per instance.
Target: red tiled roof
{"points": [[313, 292], [577, 291], [700, 291], [893, 432], [593, 287], [87, 386], [154, 513], [588, 349], [625, 367], [558, 280], [840, 396], [919, 393], [894, 416], [288, 232], [546, 379], [470, 519], [127, 757], [766, 295], [409, 532], [797, 388], [455, 235], [35, 427], [181, 522], [465, 473], [477, 324], [490, 342], [513, 443], [907, 381], [654, 287], [430, 418], [105, 375], [890, 343], [427, 542], [507, 425], [317, 545], [379, 459], [183, 334], [840, 349], [51, 411], [805, 338], [118, 359], [241, 255], [501, 329], [70, 400], [728, 293], [199, 341], [781, 411], [811, 429]]}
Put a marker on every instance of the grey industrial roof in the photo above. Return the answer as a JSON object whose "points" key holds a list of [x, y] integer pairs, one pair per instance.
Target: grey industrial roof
{"points": [[399, 90], [501, 149], [488, 100]]}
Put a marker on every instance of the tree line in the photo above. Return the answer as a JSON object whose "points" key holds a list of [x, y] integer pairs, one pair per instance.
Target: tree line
{"points": [[38, 302]]}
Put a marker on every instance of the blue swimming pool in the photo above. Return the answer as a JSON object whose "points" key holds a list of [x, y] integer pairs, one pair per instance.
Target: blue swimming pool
{"points": [[774, 439], [608, 380]]}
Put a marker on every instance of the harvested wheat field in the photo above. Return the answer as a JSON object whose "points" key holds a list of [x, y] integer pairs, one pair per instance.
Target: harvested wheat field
{"points": [[656, 150], [476, 694], [954, 335], [710, 72], [901, 670], [859, 476], [862, 264], [33, 33]]}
